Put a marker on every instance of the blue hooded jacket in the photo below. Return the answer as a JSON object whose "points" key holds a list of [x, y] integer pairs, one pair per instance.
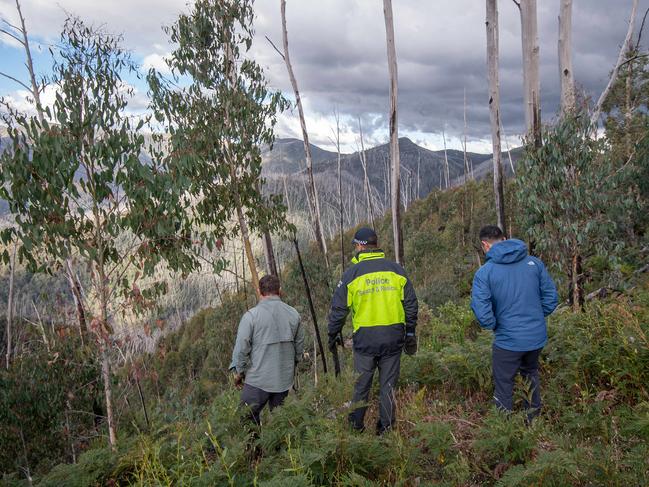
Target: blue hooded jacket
{"points": [[512, 294]]}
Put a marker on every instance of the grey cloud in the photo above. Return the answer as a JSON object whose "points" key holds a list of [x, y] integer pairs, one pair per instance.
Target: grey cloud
{"points": [[339, 56], [338, 52]]}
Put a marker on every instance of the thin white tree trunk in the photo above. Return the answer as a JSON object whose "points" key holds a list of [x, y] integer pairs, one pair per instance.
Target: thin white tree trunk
{"points": [[565, 57], [466, 158], [30, 65], [313, 191], [418, 173], [494, 107], [509, 152], [368, 188], [620, 59], [394, 133], [341, 217], [447, 172], [269, 253], [103, 336]]}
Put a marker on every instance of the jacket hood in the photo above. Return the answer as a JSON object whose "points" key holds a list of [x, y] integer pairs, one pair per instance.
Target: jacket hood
{"points": [[507, 251]]}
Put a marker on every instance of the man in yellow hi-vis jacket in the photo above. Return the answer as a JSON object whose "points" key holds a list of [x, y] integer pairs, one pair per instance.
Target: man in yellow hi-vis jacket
{"points": [[384, 316]]}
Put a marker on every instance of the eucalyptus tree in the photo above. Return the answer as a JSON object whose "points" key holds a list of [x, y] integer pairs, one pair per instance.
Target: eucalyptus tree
{"points": [[574, 198], [75, 181], [219, 112], [19, 34]]}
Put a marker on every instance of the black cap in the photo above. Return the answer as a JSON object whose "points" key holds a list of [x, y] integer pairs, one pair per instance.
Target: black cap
{"points": [[365, 236]]}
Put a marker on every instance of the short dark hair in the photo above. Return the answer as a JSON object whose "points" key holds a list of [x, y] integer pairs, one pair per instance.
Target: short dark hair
{"points": [[269, 285], [491, 233]]}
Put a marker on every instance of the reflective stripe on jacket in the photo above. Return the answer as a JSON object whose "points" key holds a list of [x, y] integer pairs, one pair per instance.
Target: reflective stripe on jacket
{"points": [[382, 301]]}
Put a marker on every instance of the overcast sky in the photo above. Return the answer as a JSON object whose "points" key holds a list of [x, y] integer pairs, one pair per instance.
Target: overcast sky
{"points": [[339, 57]]}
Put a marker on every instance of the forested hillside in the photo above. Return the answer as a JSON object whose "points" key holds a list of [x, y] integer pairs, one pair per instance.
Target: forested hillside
{"points": [[185, 429]]}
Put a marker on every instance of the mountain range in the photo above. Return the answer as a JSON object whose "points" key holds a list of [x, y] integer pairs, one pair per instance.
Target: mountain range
{"points": [[422, 171]]}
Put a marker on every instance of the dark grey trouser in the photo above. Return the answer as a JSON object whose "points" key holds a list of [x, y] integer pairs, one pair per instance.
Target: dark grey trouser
{"points": [[506, 364], [389, 367], [254, 400]]}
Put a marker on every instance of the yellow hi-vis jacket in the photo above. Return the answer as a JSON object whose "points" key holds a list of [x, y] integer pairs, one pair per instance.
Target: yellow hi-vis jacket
{"points": [[382, 302]]}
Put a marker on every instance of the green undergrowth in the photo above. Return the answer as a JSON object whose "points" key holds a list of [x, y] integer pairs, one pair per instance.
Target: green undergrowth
{"points": [[594, 429]]}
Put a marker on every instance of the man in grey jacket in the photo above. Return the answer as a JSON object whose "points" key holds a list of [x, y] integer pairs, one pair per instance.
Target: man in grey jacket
{"points": [[270, 342]]}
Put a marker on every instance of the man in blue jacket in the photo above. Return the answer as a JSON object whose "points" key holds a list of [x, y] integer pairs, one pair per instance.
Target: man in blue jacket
{"points": [[512, 294]]}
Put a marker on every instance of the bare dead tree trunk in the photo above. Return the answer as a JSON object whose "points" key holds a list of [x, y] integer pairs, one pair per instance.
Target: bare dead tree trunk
{"points": [[565, 57], [35, 91], [509, 152], [288, 200], [447, 172], [313, 192], [10, 306], [269, 252], [418, 170], [531, 79], [620, 59], [466, 158], [494, 107], [368, 188], [341, 218], [394, 133]]}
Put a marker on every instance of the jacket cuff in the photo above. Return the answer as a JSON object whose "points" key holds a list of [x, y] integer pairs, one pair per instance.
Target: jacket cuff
{"points": [[410, 329]]}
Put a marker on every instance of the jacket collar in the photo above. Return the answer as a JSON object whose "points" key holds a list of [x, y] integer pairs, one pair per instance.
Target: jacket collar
{"points": [[271, 297], [368, 255]]}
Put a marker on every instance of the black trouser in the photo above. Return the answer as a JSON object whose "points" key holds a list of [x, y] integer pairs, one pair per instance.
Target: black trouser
{"points": [[506, 364], [389, 367], [254, 399]]}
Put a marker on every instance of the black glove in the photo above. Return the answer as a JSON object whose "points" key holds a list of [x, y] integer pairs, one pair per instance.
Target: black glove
{"points": [[410, 343], [334, 341]]}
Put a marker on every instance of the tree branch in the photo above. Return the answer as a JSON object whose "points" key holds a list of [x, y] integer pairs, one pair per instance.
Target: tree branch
{"points": [[275, 47], [16, 80], [631, 59], [15, 27], [625, 47], [13, 36], [644, 18]]}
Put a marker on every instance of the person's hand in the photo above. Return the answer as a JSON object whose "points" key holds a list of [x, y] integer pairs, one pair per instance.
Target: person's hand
{"points": [[410, 344], [238, 380], [334, 341]]}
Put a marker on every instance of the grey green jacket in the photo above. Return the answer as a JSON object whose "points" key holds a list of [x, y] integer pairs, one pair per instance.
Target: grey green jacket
{"points": [[270, 341]]}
